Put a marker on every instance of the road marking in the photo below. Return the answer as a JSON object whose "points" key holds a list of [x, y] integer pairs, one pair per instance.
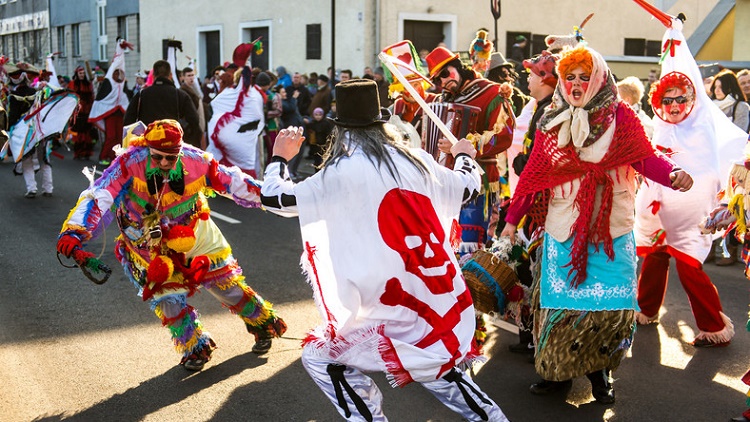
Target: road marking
{"points": [[214, 214], [229, 220]]}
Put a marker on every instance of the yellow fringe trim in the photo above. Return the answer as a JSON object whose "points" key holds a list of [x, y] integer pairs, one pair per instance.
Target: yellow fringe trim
{"points": [[72, 211], [190, 190], [140, 185], [737, 208]]}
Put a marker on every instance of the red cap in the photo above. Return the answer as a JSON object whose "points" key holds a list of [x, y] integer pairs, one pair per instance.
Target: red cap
{"points": [[438, 58], [164, 135]]}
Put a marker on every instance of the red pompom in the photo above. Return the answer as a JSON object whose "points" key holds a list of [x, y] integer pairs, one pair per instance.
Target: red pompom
{"points": [[181, 238], [160, 269], [515, 294]]}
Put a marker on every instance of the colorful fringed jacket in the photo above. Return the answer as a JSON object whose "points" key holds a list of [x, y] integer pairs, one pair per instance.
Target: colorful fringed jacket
{"points": [[167, 242]]}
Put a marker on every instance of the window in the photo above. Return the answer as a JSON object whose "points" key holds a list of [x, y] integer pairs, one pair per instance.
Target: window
{"points": [[101, 21], [26, 54], [101, 24], [122, 27], [61, 41], [314, 42], [16, 50], [75, 38], [642, 47]]}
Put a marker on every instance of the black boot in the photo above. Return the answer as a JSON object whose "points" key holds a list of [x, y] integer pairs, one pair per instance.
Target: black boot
{"points": [[525, 343], [544, 387], [601, 386]]}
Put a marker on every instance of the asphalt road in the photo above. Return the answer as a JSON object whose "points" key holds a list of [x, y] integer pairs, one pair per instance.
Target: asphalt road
{"points": [[72, 350]]}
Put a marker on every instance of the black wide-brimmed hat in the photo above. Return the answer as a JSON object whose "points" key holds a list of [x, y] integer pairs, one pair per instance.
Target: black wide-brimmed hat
{"points": [[358, 104]]}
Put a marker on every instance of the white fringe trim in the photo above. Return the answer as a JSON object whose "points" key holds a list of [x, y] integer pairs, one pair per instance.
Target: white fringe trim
{"points": [[719, 336]]}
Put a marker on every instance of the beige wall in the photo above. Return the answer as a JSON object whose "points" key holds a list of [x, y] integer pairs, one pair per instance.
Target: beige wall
{"points": [[741, 50], [720, 45], [359, 36]]}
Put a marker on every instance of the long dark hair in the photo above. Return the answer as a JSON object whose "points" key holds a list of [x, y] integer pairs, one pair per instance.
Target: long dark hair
{"points": [[729, 85], [372, 140]]}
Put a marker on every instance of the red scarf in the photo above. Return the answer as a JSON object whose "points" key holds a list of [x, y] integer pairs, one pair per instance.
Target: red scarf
{"points": [[550, 166]]}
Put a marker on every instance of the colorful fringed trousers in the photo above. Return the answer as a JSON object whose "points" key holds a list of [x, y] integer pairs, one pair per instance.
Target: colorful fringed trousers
{"points": [[183, 322]]}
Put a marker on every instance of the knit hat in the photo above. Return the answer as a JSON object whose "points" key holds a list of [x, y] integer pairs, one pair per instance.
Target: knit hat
{"points": [[438, 58], [543, 65], [358, 104], [262, 79], [318, 110], [164, 135]]}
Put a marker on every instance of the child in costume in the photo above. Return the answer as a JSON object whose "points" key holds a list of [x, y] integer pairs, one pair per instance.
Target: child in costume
{"points": [[168, 245], [701, 140]]}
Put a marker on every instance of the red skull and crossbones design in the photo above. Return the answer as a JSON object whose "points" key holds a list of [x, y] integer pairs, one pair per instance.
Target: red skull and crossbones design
{"points": [[410, 226]]}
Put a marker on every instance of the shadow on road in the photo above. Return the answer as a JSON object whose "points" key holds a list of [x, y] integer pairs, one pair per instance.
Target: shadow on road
{"points": [[159, 392]]}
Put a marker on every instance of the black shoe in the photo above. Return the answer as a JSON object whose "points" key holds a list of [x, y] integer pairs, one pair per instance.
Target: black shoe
{"points": [[262, 346], [527, 348], [601, 386], [603, 395], [197, 360], [545, 387], [195, 363], [703, 343], [30, 194]]}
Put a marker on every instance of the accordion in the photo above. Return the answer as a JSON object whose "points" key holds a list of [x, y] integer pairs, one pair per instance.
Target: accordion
{"points": [[460, 119]]}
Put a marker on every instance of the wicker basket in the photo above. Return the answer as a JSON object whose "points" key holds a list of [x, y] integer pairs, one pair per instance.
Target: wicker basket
{"points": [[501, 276]]}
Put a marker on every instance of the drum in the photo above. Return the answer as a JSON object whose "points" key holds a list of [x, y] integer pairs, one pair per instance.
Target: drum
{"points": [[459, 118]]}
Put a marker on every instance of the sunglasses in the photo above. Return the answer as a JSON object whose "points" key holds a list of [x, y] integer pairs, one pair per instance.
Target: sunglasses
{"points": [[159, 157], [443, 74], [669, 100]]}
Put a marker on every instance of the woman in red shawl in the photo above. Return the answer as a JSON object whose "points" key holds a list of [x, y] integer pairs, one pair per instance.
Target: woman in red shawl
{"points": [[83, 145], [579, 185]]}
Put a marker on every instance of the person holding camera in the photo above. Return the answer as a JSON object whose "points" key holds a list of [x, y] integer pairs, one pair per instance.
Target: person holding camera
{"points": [[168, 245]]}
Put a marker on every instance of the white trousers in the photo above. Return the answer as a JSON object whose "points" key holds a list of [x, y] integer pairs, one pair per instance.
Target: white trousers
{"points": [[28, 164], [357, 398]]}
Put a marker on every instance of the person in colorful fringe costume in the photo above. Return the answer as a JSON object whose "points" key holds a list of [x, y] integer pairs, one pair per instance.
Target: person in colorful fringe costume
{"points": [[734, 213], [494, 135], [703, 141], [579, 184], [168, 245], [405, 308]]}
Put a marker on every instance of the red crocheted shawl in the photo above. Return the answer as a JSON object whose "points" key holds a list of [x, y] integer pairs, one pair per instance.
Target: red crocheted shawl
{"points": [[550, 166]]}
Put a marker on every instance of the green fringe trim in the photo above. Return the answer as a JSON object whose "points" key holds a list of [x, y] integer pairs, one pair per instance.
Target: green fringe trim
{"points": [[174, 174], [184, 207], [552, 319]]}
